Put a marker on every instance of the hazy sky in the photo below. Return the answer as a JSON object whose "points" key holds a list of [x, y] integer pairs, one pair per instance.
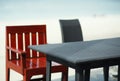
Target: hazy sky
{"points": [[33, 9]]}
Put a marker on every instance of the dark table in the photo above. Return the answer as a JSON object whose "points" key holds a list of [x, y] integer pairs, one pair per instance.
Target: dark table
{"points": [[82, 55]]}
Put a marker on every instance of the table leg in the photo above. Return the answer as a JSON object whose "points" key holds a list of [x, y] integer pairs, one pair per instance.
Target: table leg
{"points": [[106, 73], [48, 70], [118, 72], [87, 75], [79, 76]]}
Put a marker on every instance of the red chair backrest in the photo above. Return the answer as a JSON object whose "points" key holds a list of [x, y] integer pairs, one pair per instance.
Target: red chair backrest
{"points": [[20, 37]]}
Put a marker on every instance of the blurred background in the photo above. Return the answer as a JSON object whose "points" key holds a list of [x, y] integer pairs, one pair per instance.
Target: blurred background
{"points": [[99, 19]]}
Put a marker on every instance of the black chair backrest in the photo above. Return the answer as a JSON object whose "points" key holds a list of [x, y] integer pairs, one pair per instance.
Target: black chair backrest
{"points": [[71, 30]]}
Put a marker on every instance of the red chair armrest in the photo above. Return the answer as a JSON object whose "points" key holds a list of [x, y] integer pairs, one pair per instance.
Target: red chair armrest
{"points": [[19, 51]]}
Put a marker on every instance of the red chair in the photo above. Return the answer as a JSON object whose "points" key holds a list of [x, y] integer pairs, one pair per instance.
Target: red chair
{"points": [[23, 60]]}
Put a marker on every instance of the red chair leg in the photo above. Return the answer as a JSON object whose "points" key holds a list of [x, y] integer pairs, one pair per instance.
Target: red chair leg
{"points": [[44, 77], [26, 77], [7, 74], [65, 75]]}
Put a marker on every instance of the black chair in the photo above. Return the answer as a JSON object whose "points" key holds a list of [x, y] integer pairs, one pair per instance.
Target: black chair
{"points": [[71, 32]]}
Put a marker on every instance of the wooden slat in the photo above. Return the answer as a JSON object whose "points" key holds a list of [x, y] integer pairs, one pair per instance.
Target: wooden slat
{"points": [[20, 41], [13, 44], [34, 42], [42, 40], [27, 42], [7, 44]]}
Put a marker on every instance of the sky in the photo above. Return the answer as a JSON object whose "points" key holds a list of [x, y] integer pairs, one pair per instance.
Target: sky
{"points": [[11, 10], [17, 12]]}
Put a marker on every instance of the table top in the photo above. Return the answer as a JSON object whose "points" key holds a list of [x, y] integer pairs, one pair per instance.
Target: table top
{"points": [[74, 53]]}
